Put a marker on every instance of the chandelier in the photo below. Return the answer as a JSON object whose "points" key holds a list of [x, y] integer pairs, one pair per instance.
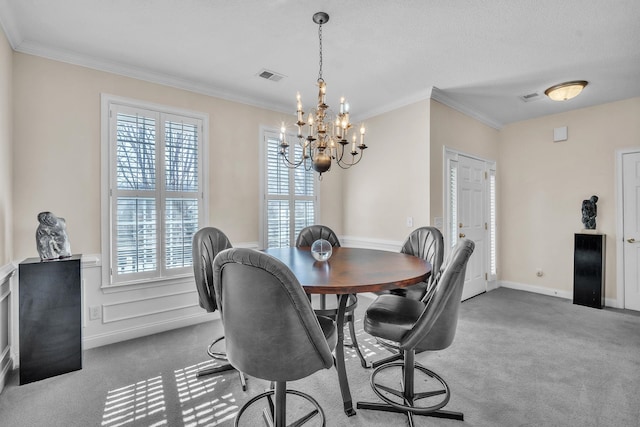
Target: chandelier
{"points": [[327, 134]]}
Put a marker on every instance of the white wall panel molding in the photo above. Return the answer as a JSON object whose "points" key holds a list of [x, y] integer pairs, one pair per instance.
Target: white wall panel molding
{"points": [[368, 243], [148, 306], [6, 271]]}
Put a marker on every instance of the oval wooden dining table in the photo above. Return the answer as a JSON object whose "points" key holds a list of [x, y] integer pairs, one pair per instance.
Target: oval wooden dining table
{"points": [[351, 271]]}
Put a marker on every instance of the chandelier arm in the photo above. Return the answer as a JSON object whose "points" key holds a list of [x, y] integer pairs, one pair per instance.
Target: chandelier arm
{"points": [[289, 164], [347, 165]]}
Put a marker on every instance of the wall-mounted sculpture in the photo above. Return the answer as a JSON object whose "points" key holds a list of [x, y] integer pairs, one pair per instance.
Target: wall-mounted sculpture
{"points": [[51, 237], [589, 213]]}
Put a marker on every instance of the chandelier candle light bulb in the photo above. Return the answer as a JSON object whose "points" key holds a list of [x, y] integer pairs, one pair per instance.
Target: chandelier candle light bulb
{"points": [[327, 138]]}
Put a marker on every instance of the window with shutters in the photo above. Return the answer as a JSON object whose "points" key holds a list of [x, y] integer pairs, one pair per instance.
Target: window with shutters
{"points": [[289, 195], [154, 189]]}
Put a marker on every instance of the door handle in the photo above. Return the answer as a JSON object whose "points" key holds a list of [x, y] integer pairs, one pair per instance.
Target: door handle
{"points": [[632, 240], [462, 235]]}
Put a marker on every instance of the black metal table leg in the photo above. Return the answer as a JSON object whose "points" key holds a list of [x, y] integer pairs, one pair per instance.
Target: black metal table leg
{"points": [[340, 365]]}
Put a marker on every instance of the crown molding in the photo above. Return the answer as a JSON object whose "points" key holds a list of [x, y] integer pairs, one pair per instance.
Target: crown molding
{"points": [[98, 64], [403, 102], [7, 24], [443, 98]]}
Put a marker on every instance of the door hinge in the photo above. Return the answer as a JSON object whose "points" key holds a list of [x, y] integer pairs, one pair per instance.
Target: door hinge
{"points": [[486, 276], [486, 175], [486, 226]]}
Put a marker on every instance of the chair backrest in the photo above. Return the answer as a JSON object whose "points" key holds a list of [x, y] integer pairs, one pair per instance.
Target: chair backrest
{"points": [[207, 242], [271, 331], [310, 234], [436, 326], [426, 243]]}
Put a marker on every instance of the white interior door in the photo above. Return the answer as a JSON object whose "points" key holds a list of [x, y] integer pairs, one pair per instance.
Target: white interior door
{"points": [[472, 194], [631, 229]]}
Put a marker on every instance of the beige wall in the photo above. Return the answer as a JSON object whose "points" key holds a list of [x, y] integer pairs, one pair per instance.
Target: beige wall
{"points": [[6, 152], [542, 186], [392, 181], [57, 152], [452, 129]]}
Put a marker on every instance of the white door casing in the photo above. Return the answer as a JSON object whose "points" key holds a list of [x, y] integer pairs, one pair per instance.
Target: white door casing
{"points": [[467, 209], [631, 229]]}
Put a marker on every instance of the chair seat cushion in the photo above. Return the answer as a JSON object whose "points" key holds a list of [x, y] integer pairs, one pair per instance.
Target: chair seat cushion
{"points": [[329, 330], [392, 316], [414, 292]]}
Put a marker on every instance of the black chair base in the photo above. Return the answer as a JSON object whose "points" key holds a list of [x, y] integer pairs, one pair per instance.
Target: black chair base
{"points": [[276, 415], [405, 400], [388, 408], [218, 355]]}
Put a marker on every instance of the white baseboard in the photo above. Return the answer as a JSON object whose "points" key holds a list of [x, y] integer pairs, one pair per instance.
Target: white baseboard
{"points": [[99, 340], [367, 243], [536, 289], [608, 302]]}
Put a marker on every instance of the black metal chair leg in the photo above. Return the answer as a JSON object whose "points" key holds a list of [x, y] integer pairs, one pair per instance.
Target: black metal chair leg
{"points": [[275, 414], [354, 342], [214, 370]]}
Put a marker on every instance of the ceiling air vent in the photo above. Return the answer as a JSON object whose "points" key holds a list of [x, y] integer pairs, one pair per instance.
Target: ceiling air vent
{"points": [[270, 75], [530, 97]]}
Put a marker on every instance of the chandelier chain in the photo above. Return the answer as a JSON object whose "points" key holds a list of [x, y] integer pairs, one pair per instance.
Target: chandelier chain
{"points": [[320, 63]]}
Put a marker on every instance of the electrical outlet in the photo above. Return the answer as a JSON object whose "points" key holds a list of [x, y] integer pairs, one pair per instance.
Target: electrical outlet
{"points": [[94, 312], [409, 221]]}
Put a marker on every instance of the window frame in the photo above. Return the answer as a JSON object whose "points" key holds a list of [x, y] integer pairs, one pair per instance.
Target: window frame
{"points": [[110, 104], [265, 134]]}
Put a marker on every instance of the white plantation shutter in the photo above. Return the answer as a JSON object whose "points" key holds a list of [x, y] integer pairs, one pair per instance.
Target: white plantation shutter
{"points": [[453, 202], [493, 269], [155, 192], [290, 195]]}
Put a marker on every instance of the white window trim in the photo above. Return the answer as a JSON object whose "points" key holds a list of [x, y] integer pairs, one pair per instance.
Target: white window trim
{"points": [[262, 161], [106, 100]]}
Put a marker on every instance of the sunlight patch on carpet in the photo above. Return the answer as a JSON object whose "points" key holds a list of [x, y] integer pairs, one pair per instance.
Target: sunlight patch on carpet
{"points": [[201, 400], [143, 400]]}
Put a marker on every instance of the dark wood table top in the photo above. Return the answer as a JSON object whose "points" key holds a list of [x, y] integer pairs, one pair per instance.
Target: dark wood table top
{"points": [[352, 270]]}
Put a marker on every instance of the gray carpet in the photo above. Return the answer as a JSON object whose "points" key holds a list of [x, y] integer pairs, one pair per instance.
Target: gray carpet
{"points": [[519, 359]]}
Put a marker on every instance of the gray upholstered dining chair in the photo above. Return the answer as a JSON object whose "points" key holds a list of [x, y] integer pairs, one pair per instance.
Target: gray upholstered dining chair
{"points": [[207, 243], [426, 243], [418, 326], [305, 238], [310, 234], [271, 330]]}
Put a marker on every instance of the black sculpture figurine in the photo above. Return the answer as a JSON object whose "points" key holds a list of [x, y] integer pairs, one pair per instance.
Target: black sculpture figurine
{"points": [[51, 237], [589, 213]]}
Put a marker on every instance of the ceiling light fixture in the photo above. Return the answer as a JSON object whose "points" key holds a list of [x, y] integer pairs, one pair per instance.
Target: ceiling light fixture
{"points": [[327, 135], [565, 91]]}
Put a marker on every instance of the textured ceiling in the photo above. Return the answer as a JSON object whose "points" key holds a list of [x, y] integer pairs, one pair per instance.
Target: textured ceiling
{"points": [[481, 56]]}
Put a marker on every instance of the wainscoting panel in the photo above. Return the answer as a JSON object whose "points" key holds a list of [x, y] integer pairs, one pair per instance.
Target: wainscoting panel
{"points": [[6, 324], [111, 315]]}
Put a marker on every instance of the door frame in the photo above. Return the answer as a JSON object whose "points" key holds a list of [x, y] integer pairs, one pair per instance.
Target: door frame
{"points": [[449, 154], [620, 225]]}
